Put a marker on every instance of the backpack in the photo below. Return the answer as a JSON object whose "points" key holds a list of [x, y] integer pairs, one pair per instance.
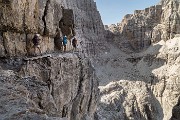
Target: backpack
{"points": [[74, 41], [36, 39], [64, 40]]}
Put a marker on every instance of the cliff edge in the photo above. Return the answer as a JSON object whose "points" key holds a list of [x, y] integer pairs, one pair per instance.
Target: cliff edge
{"points": [[53, 85]]}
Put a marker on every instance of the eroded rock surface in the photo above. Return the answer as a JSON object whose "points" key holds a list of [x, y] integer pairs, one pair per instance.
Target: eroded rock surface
{"points": [[143, 85], [136, 86], [137, 31], [22, 19], [50, 87]]}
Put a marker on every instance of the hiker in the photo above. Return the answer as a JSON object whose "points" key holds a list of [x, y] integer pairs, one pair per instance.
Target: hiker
{"points": [[36, 41], [74, 44], [64, 42], [58, 39]]}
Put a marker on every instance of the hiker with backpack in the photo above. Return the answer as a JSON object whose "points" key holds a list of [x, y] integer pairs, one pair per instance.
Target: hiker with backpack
{"points": [[74, 44], [36, 41], [64, 42], [58, 39]]}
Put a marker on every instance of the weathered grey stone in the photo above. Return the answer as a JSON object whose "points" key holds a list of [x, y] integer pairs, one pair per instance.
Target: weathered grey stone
{"points": [[15, 46], [143, 85], [148, 26], [60, 86], [137, 86], [21, 18], [67, 89]]}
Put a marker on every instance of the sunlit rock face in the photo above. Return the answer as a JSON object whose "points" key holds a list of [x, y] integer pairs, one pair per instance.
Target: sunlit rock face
{"points": [[140, 81], [21, 19], [52, 86], [141, 86], [89, 28], [137, 31]]}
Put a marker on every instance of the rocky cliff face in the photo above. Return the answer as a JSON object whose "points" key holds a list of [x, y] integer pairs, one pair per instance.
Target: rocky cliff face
{"points": [[89, 28], [60, 86], [54, 86], [143, 85], [137, 31], [21, 19]]}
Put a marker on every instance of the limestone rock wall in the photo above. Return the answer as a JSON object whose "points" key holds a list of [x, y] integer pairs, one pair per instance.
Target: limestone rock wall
{"points": [[89, 28], [47, 88], [54, 87], [141, 86], [139, 30], [21, 19], [140, 81], [165, 82], [170, 17]]}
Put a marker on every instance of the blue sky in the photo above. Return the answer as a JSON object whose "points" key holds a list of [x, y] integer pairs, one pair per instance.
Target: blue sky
{"points": [[112, 11]]}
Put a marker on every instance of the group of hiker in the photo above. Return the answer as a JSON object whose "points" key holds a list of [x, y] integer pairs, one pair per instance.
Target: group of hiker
{"points": [[74, 43], [63, 40]]}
